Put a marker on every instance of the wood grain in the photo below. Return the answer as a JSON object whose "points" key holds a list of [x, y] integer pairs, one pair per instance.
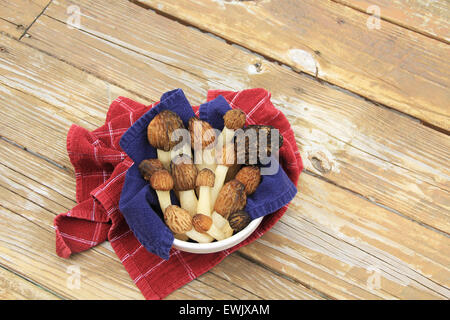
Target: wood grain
{"points": [[331, 239], [332, 42], [18, 15], [13, 287], [43, 186], [336, 242], [430, 18], [373, 151]]}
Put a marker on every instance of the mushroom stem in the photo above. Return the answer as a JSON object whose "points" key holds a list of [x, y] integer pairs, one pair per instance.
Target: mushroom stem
{"points": [[222, 224], [204, 224], [221, 173], [164, 199], [225, 137], [199, 237], [207, 159], [164, 157], [204, 203], [188, 201]]}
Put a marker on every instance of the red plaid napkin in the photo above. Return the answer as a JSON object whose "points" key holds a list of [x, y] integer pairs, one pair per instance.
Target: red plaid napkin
{"points": [[100, 167]]}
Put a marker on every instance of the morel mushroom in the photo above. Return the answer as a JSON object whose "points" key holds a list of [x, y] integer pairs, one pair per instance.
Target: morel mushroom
{"points": [[234, 119], [162, 182], [160, 133], [226, 157], [179, 222], [204, 224], [203, 138], [239, 220], [231, 198], [184, 174], [205, 181], [148, 167], [250, 177], [255, 144]]}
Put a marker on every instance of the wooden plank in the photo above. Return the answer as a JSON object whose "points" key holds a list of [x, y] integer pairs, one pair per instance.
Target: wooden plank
{"points": [[430, 18], [336, 282], [13, 287], [416, 258], [18, 15], [375, 152], [338, 243], [37, 191], [393, 66]]}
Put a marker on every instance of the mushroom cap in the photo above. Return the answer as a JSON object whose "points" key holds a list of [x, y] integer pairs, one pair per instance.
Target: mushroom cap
{"points": [[184, 172], [239, 220], [226, 156], [250, 176], [201, 223], [202, 133], [177, 219], [161, 128], [148, 167], [205, 178], [161, 180], [231, 198], [234, 119], [249, 150]]}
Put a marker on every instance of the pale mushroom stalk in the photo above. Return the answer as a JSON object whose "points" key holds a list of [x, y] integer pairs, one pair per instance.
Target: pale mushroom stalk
{"points": [[203, 138], [225, 158], [184, 174], [204, 224], [204, 183], [205, 180], [162, 182], [165, 157], [180, 222], [233, 119]]}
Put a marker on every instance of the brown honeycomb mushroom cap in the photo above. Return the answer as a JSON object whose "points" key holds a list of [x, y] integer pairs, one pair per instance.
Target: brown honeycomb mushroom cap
{"points": [[161, 180], [201, 133], [231, 198], [161, 128], [205, 178], [250, 176], [148, 167], [234, 119], [184, 173]]}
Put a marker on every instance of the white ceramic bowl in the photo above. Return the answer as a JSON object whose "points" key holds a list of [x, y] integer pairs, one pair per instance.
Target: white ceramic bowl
{"points": [[217, 246]]}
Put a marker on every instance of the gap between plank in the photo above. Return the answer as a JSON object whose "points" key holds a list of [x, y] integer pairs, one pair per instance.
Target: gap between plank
{"points": [[270, 59], [37, 17], [32, 282], [311, 173], [410, 28], [54, 213], [284, 276], [247, 50]]}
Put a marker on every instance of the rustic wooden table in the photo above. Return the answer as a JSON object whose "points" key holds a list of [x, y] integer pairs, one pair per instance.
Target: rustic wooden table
{"points": [[365, 85]]}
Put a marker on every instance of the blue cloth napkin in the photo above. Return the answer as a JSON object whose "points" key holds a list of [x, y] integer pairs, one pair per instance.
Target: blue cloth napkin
{"points": [[139, 203]]}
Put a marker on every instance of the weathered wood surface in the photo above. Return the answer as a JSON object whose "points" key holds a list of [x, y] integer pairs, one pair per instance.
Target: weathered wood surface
{"points": [[391, 65], [430, 17], [354, 231], [387, 157], [17, 16]]}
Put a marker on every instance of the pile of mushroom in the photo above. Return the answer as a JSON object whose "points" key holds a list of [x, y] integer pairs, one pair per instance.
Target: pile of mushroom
{"points": [[211, 197]]}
